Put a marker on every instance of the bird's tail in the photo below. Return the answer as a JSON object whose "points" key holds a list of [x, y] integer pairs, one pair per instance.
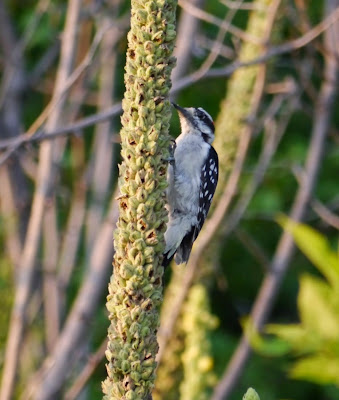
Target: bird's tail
{"points": [[167, 259]]}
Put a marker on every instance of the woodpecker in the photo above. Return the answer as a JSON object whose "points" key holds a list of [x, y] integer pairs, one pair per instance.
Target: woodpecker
{"points": [[192, 177]]}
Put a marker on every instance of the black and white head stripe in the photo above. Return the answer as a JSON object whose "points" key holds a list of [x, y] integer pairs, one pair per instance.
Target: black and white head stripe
{"points": [[204, 117]]}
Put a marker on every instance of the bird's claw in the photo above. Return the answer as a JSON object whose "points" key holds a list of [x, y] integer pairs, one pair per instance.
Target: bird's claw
{"points": [[171, 150]]}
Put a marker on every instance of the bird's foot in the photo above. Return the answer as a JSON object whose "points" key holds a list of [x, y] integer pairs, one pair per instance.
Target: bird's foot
{"points": [[171, 150]]}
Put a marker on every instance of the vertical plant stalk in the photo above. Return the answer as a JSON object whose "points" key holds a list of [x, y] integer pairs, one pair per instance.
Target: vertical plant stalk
{"points": [[244, 92], [102, 154], [170, 370], [135, 290], [187, 30], [197, 324]]}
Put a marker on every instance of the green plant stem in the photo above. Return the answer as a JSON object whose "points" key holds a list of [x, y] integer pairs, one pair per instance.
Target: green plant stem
{"points": [[135, 290]]}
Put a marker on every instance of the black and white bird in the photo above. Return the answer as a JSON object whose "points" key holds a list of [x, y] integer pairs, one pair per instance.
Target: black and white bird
{"points": [[192, 179]]}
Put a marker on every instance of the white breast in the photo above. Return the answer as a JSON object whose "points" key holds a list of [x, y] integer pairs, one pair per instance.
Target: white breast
{"points": [[184, 182]]}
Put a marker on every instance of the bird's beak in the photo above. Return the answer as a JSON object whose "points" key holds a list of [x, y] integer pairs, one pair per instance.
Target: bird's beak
{"points": [[183, 112], [180, 109]]}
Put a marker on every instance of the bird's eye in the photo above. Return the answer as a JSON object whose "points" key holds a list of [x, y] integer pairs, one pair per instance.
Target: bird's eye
{"points": [[201, 115]]}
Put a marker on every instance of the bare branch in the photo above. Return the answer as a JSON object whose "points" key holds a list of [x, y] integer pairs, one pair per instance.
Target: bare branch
{"points": [[40, 9], [325, 214], [89, 368], [233, 4], [205, 16], [224, 51], [253, 248], [100, 166], [42, 65], [288, 47], [72, 234], [187, 30], [273, 136], [14, 196], [71, 128], [217, 45], [51, 300], [12, 240]]}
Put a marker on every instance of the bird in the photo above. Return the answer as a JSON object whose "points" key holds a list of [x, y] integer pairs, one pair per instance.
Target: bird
{"points": [[192, 178]]}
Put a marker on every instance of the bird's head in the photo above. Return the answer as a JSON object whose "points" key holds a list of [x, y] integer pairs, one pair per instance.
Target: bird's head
{"points": [[196, 121]]}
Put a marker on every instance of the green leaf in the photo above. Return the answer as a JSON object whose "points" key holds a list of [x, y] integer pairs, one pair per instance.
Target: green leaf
{"points": [[315, 310], [299, 339], [272, 347], [319, 368], [315, 247], [251, 394]]}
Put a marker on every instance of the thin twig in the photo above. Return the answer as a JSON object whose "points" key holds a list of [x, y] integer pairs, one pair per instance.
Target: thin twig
{"points": [[205, 16], [253, 248], [288, 47], [43, 64], [325, 214], [273, 137], [100, 166], [70, 80], [14, 193], [40, 9], [225, 51], [186, 33], [233, 4], [214, 53], [51, 300], [72, 234], [87, 371], [14, 143]]}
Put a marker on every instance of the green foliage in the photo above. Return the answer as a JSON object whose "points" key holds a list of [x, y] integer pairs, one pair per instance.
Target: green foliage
{"points": [[6, 295], [251, 394], [315, 340], [316, 248]]}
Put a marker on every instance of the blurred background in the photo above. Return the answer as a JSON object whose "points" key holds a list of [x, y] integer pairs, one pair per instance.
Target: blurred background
{"points": [[267, 72]]}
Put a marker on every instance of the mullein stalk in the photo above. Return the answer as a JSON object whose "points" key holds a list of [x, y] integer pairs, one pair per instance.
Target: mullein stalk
{"points": [[240, 102], [197, 324], [135, 290], [170, 369]]}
